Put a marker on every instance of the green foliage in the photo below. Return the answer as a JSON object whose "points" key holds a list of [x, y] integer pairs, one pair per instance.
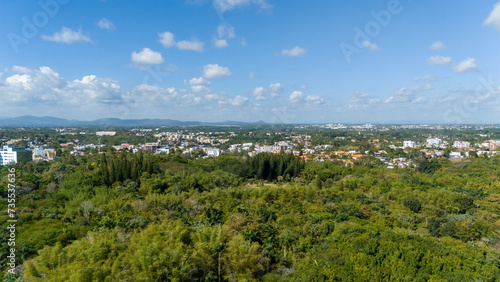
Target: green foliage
{"points": [[428, 166], [413, 204], [272, 217], [269, 166]]}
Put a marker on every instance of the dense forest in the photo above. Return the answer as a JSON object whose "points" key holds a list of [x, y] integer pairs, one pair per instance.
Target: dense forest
{"points": [[138, 217]]}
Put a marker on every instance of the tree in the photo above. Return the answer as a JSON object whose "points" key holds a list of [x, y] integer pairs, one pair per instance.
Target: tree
{"points": [[243, 260], [413, 204], [433, 226]]}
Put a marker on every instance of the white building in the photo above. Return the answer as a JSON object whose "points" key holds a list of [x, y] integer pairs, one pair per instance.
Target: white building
{"points": [[461, 144], [434, 141], [165, 150], [105, 133], [213, 152], [409, 144], [8, 155]]}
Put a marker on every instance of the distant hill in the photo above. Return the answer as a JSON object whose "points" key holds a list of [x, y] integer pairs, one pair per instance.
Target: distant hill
{"points": [[33, 121]]}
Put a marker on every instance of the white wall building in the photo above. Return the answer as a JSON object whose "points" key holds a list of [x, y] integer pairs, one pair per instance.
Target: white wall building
{"points": [[213, 152], [434, 141], [8, 155], [409, 144], [461, 144], [105, 133]]}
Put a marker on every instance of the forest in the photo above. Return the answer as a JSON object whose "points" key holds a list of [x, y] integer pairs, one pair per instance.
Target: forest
{"points": [[272, 217]]}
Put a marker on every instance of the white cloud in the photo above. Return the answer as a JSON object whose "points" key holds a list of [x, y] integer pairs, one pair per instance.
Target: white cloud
{"points": [[494, 17], [151, 95], [438, 60], [296, 97], [147, 56], [259, 93], [44, 86], [194, 45], [426, 78], [19, 69], [238, 101], [190, 99], [197, 81], [251, 75], [276, 89], [408, 94], [243, 41], [167, 40], [220, 43], [315, 100], [229, 5], [226, 31], [200, 89], [438, 45], [215, 71], [361, 100], [106, 24], [214, 97], [100, 90], [369, 45], [294, 52], [468, 64], [67, 36]]}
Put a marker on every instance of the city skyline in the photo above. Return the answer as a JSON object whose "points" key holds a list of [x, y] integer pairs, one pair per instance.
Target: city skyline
{"points": [[251, 60]]}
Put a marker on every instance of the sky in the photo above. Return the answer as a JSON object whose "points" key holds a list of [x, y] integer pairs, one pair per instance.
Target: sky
{"points": [[323, 61]]}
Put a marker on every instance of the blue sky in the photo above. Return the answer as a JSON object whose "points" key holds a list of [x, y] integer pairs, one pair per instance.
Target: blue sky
{"points": [[278, 61]]}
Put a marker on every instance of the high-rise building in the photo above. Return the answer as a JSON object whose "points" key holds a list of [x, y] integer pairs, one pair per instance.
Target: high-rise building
{"points": [[8, 155], [409, 144]]}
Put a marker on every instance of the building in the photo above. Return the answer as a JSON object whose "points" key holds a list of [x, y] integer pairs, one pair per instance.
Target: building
{"points": [[165, 150], [8, 155], [434, 141], [213, 152], [105, 133], [41, 154], [461, 144], [151, 146], [409, 144]]}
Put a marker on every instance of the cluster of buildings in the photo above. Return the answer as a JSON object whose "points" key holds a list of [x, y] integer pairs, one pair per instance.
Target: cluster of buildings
{"points": [[41, 154]]}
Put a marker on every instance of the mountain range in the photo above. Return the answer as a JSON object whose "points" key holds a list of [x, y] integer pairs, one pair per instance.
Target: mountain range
{"points": [[33, 121]]}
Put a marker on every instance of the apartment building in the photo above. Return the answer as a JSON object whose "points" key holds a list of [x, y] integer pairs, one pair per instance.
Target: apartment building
{"points": [[8, 155]]}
